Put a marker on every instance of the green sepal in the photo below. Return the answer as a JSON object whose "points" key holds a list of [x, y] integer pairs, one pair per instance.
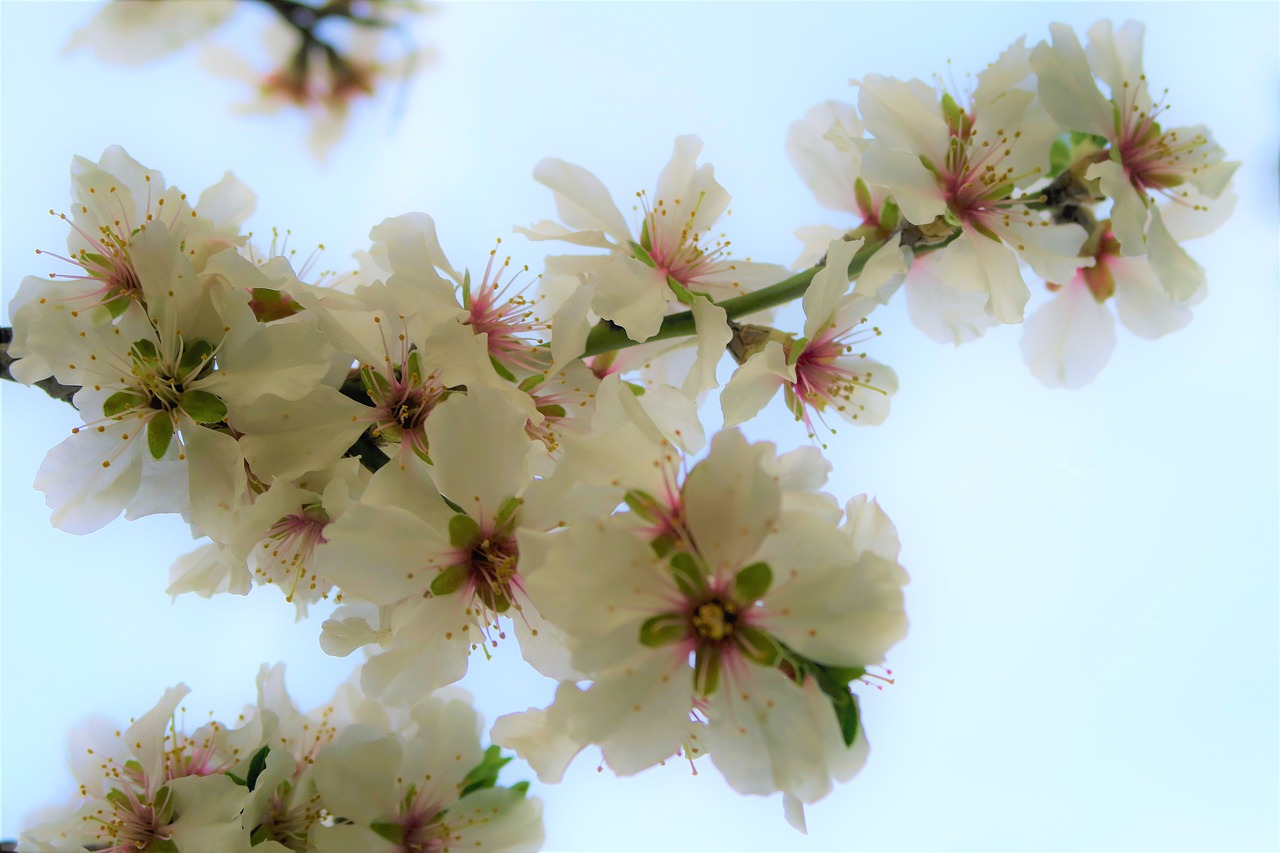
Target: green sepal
{"points": [[195, 357], [552, 411], [640, 502], [928, 164], [646, 240], [463, 531], [374, 382], [636, 388], [642, 254], [984, 230], [949, 217], [862, 195], [506, 513], [451, 579], [163, 805], [118, 305], [122, 401], [159, 434], [662, 629], [239, 780], [951, 111], [521, 788], [1059, 156], [530, 382], [261, 833], [501, 369], [687, 575], [706, 670], [453, 506], [756, 645], [890, 216], [393, 832], [413, 366], [683, 296], [752, 582], [485, 774], [145, 350], [843, 702], [466, 289], [257, 764], [165, 845], [118, 798], [203, 407], [664, 544]]}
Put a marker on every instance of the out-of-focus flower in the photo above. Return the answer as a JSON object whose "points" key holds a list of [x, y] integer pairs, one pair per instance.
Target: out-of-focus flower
{"points": [[135, 32]]}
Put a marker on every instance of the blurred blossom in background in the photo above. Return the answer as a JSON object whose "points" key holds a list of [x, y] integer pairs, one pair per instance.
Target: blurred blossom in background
{"points": [[1093, 656]]}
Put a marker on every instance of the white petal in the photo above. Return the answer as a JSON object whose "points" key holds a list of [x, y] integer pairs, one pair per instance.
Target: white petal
{"points": [[828, 170], [631, 294], [1141, 302], [582, 201], [478, 443], [754, 384], [975, 262], [945, 314], [1181, 277], [713, 334], [1069, 339], [912, 186], [905, 116], [731, 502], [1066, 86], [1128, 208]]}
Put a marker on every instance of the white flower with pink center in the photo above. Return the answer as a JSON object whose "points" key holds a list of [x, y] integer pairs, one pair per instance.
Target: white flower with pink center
{"points": [[712, 605], [1141, 157], [938, 159], [821, 372]]}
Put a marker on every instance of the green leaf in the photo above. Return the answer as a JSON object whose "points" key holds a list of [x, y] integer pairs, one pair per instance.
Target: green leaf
{"points": [[843, 702], [641, 253], [1059, 156], [238, 780], [257, 764], [521, 788], [393, 832], [683, 296], [463, 531], [485, 774], [706, 670], [752, 582], [159, 434], [453, 506], [756, 645], [687, 575], [122, 401], [195, 357], [662, 629], [451, 579], [203, 407], [501, 369]]}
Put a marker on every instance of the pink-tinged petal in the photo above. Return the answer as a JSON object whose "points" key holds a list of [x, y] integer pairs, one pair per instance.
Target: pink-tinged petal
{"points": [[912, 186], [754, 384], [1116, 57], [582, 200], [904, 115], [547, 229], [941, 311], [541, 737], [975, 262], [713, 334], [228, 203], [1066, 85], [828, 288], [1068, 341], [1128, 208], [631, 294], [478, 443], [731, 502], [775, 735], [1181, 277], [815, 239], [1192, 215], [1142, 304], [828, 170]]}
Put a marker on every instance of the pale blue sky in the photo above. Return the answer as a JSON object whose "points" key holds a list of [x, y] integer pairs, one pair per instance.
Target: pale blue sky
{"points": [[1092, 662]]}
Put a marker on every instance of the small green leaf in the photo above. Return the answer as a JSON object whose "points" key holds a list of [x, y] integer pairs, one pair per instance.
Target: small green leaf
{"points": [[122, 401], [501, 369], [261, 833], [641, 253], [641, 503], [683, 296], [257, 764], [118, 305], [521, 788], [203, 407], [466, 288], [118, 798], [374, 382], [1059, 156], [687, 575], [706, 670], [862, 195], [463, 531], [145, 350], [485, 774], [451, 579], [506, 513], [636, 389], [928, 164], [890, 216], [393, 832], [163, 805], [238, 780], [645, 239], [453, 506], [530, 382], [195, 357], [756, 645], [752, 582], [662, 629], [553, 411], [159, 434], [413, 367]]}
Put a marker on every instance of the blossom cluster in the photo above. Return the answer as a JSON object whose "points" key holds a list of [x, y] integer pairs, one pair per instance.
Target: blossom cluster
{"points": [[349, 775], [450, 457]]}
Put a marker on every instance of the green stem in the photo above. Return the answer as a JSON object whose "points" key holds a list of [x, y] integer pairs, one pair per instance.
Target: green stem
{"points": [[606, 337]]}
